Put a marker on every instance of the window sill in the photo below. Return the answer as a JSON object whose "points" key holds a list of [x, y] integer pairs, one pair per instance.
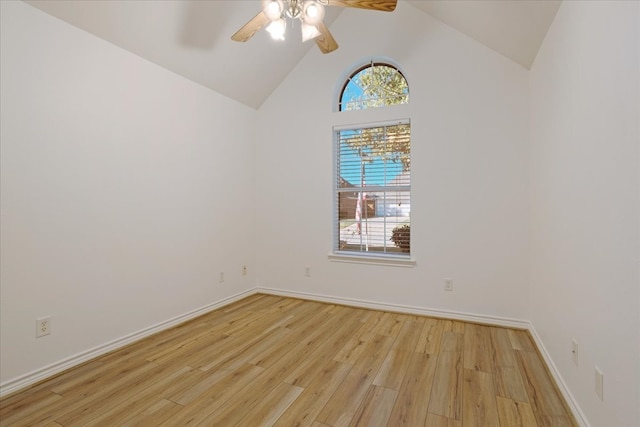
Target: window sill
{"points": [[394, 261]]}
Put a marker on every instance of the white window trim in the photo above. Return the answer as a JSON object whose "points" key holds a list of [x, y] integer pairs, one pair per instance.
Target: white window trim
{"points": [[357, 258], [369, 124], [372, 258]]}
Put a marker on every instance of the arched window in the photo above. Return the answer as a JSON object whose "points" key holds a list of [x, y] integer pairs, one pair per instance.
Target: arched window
{"points": [[374, 85], [373, 170]]}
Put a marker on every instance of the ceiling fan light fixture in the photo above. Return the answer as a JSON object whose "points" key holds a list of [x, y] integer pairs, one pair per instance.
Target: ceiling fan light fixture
{"points": [[309, 32], [277, 29], [273, 9], [312, 12]]}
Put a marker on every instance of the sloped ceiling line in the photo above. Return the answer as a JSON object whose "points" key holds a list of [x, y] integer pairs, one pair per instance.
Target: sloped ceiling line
{"points": [[192, 37]]}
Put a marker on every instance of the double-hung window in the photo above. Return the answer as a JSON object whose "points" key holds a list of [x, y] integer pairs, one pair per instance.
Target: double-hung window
{"points": [[373, 170]]}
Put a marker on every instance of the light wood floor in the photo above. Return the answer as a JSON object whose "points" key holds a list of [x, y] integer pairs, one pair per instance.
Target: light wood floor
{"points": [[268, 360]]}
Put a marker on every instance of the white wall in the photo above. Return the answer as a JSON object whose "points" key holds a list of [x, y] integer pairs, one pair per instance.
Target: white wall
{"points": [[469, 113], [116, 214], [585, 203], [117, 208]]}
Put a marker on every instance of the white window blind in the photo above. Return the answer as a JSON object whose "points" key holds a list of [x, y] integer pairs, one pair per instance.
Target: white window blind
{"points": [[373, 190]]}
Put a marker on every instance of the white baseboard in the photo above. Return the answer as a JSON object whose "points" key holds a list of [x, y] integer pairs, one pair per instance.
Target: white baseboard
{"points": [[33, 377], [580, 417], [444, 314]]}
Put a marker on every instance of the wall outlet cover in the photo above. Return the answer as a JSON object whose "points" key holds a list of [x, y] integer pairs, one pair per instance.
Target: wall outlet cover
{"points": [[43, 326]]}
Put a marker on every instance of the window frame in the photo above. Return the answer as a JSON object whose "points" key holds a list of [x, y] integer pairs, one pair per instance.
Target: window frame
{"points": [[350, 79], [362, 257], [366, 117]]}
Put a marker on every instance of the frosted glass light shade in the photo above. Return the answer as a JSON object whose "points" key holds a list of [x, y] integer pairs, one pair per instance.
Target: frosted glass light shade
{"points": [[277, 29], [309, 32], [312, 12], [273, 9]]}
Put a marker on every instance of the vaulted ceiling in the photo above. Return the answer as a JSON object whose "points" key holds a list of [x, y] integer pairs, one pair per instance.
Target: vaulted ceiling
{"points": [[192, 37]]}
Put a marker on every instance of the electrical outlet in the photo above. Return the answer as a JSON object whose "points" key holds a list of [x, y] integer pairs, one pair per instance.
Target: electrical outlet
{"points": [[307, 271], [43, 326], [599, 383], [448, 285], [221, 276], [244, 270], [574, 351]]}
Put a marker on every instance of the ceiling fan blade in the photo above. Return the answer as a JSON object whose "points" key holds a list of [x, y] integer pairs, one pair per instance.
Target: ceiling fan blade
{"points": [[250, 28], [325, 40], [381, 5]]}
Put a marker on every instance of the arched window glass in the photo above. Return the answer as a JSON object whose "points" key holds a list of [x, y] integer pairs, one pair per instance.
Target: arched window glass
{"points": [[372, 86]]}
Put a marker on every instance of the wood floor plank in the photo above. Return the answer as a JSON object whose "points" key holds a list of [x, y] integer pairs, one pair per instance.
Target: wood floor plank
{"points": [[154, 414], [372, 324], [344, 403], [351, 350], [300, 362], [26, 411], [554, 420], [356, 344], [434, 420], [376, 408], [263, 320], [309, 309], [251, 303], [306, 330], [390, 325], [85, 411], [248, 397], [479, 407], [239, 350], [515, 414], [502, 353], [477, 348], [73, 377], [201, 341], [249, 350], [198, 410], [326, 349], [91, 382], [23, 401], [412, 403], [520, 340], [507, 378], [452, 341], [208, 358], [146, 348], [77, 404], [308, 405], [272, 376], [269, 409], [131, 401], [208, 354], [509, 383], [394, 367], [454, 326], [446, 392], [431, 336], [196, 387], [548, 406], [271, 360]]}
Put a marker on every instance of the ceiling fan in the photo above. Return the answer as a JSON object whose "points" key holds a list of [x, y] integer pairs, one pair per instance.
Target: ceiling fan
{"points": [[309, 13]]}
